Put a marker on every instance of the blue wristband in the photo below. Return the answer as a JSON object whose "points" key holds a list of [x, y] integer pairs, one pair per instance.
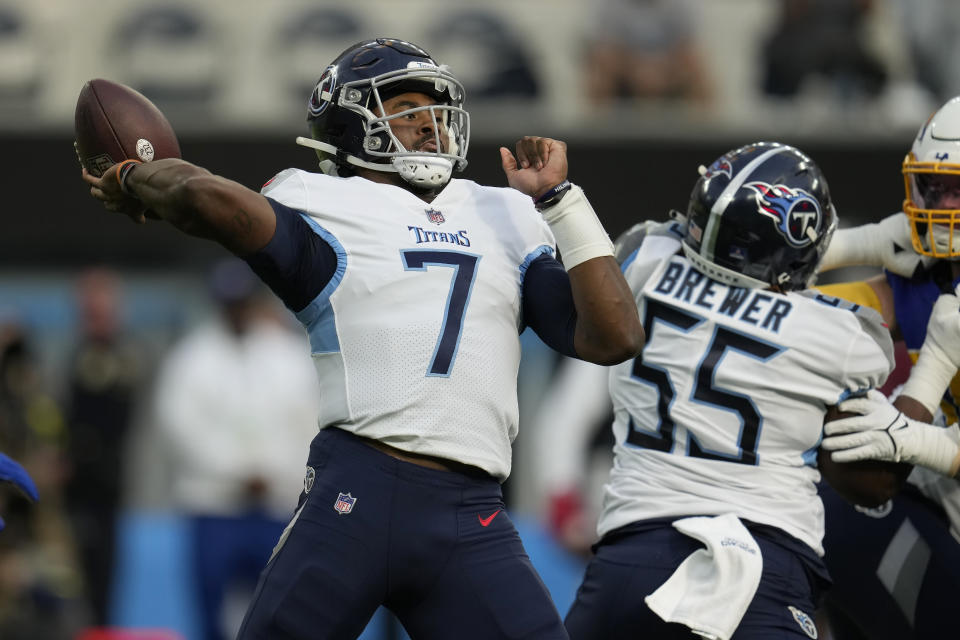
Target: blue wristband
{"points": [[552, 195]]}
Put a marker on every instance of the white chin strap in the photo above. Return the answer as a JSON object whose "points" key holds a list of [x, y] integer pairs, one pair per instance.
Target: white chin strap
{"points": [[426, 172], [723, 274]]}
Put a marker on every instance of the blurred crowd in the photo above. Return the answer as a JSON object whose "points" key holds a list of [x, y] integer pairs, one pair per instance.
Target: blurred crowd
{"points": [[219, 421], [724, 61]]}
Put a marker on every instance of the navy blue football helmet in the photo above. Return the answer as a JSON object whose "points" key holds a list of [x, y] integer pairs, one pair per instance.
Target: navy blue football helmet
{"points": [[760, 216], [346, 107]]}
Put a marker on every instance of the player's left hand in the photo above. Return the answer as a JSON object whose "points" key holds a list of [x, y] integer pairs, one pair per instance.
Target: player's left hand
{"points": [[11, 472], [882, 432], [540, 164], [107, 190]]}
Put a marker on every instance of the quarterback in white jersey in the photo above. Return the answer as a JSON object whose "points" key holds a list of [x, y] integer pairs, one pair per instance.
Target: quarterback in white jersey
{"points": [[414, 289], [411, 335], [718, 422]]}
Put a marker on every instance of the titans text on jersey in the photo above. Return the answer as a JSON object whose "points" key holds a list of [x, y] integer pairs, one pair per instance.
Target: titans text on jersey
{"points": [[422, 235], [413, 316]]}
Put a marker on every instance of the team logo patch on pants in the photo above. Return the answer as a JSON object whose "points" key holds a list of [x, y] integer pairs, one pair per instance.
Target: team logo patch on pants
{"points": [[344, 503], [805, 622], [308, 479]]}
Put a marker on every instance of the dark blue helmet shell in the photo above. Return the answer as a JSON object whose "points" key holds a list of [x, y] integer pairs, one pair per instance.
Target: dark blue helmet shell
{"points": [[760, 216]]}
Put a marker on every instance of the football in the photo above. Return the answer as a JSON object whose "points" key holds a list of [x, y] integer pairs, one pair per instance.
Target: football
{"points": [[113, 122], [867, 483]]}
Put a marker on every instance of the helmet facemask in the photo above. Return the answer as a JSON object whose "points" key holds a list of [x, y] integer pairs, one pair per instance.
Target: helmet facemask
{"points": [[935, 232], [450, 124]]}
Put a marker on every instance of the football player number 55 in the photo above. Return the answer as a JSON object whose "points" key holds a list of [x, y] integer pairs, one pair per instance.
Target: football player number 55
{"points": [[464, 267]]}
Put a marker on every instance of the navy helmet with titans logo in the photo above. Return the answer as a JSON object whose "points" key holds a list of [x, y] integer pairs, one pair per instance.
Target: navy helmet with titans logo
{"points": [[349, 127], [760, 216]]}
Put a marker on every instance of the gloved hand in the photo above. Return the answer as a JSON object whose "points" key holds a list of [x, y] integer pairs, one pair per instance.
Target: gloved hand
{"points": [[882, 432], [12, 472], [939, 356], [886, 244]]}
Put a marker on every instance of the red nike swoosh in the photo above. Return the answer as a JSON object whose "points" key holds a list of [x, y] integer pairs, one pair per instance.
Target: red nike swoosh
{"points": [[485, 522]]}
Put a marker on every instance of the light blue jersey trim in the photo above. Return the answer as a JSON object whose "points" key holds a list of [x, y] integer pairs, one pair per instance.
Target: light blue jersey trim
{"points": [[629, 260], [533, 255], [810, 455], [318, 316]]}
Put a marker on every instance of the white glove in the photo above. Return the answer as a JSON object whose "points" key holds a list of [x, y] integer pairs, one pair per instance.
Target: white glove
{"points": [[939, 356], [882, 432], [886, 244]]}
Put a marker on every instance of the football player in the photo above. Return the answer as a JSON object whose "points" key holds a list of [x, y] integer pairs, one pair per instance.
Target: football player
{"points": [[413, 287], [718, 422], [897, 568]]}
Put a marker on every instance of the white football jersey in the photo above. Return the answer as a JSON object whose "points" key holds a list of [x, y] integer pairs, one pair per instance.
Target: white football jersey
{"points": [[416, 337], [723, 411]]}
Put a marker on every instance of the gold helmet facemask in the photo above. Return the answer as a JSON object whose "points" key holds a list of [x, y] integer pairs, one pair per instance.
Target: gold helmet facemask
{"points": [[935, 156]]}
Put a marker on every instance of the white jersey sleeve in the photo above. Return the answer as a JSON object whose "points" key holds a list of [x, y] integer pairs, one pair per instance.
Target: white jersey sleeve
{"points": [[723, 411], [416, 337]]}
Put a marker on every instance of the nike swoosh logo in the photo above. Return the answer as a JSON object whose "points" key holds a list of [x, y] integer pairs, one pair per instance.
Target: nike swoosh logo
{"points": [[485, 522]]}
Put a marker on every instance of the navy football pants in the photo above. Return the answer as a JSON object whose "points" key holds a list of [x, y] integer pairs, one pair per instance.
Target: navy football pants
{"points": [[628, 566], [896, 569], [435, 547]]}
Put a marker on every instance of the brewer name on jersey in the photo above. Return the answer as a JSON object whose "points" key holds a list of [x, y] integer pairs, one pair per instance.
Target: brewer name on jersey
{"points": [[758, 307]]}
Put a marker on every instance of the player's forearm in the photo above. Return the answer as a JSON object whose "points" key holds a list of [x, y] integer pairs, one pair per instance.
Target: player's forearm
{"points": [[204, 205], [608, 328], [913, 408], [883, 244]]}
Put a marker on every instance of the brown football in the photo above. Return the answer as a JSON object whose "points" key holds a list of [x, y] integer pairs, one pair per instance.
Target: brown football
{"points": [[113, 122], [868, 483]]}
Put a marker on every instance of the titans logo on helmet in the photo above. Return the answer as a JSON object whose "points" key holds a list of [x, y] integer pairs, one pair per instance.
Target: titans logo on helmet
{"points": [[796, 212], [323, 92]]}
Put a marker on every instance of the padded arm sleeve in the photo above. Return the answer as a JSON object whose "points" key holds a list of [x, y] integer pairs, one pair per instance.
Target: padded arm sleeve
{"points": [[297, 263], [548, 306]]}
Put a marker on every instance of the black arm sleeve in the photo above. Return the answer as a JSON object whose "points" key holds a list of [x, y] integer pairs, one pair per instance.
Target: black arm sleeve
{"points": [[297, 263], [548, 304]]}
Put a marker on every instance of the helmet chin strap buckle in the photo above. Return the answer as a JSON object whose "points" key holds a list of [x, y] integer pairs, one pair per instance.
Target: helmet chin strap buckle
{"points": [[425, 172]]}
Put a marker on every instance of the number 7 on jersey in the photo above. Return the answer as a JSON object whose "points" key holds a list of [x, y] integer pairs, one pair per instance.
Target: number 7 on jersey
{"points": [[464, 267]]}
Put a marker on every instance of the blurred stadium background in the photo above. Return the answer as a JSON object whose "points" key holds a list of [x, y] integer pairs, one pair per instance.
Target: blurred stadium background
{"points": [[848, 81]]}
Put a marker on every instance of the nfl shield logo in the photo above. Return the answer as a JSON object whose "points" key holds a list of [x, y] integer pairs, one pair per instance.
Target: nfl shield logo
{"points": [[435, 216], [344, 503]]}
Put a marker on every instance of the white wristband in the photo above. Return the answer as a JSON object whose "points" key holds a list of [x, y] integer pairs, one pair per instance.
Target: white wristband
{"points": [[930, 446], [929, 379], [579, 234]]}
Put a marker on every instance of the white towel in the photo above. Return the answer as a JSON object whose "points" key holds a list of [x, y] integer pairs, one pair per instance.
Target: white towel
{"points": [[711, 590]]}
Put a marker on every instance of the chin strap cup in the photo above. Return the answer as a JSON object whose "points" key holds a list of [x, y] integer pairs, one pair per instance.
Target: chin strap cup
{"points": [[425, 172]]}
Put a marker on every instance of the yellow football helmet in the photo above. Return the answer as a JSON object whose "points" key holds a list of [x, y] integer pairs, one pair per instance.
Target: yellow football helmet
{"points": [[935, 152]]}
